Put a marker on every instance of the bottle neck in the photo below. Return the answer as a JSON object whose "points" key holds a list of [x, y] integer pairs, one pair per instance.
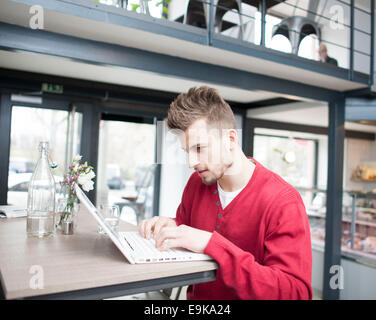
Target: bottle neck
{"points": [[44, 154], [43, 150]]}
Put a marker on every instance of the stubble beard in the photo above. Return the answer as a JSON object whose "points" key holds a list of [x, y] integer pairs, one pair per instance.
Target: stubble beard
{"points": [[212, 177]]}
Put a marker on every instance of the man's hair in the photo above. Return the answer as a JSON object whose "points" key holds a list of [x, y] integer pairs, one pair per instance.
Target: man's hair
{"points": [[200, 103]]}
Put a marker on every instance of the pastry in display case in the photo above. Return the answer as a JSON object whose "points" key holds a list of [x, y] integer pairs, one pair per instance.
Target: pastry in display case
{"points": [[365, 173], [368, 244]]}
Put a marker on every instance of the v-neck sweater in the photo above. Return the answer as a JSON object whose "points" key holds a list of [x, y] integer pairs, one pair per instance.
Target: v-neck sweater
{"points": [[227, 196], [261, 239]]}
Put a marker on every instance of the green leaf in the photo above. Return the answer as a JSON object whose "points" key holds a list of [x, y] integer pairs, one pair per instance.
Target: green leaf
{"points": [[135, 6]]}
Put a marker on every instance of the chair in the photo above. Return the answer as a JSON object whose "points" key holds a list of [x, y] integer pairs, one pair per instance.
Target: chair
{"points": [[268, 3], [295, 29], [198, 13], [139, 202]]}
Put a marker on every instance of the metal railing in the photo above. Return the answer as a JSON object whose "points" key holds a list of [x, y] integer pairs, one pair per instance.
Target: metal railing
{"points": [[345, 28]]}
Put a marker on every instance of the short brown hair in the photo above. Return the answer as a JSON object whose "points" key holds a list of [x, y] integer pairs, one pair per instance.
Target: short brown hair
{"points": [[200, 103]]}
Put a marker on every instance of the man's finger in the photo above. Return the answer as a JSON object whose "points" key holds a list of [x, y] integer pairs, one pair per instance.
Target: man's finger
{"points": [[170, 243], [149, 226], [166, 233], [158, 226], [141, 228]]}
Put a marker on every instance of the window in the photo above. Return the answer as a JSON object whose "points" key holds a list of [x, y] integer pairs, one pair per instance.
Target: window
{"points": [[292, 158], [126, 158], [29, 126]]}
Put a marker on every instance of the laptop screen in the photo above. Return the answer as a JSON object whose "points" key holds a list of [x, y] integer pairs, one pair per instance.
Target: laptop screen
{"points": [[93, 210], [114, 236]]}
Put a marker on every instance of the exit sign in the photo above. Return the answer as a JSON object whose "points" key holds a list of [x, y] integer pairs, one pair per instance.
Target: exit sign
{"points": [[53, 88]]}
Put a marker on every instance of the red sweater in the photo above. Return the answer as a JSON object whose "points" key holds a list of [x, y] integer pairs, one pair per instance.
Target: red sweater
{"points": [[261, 240]]}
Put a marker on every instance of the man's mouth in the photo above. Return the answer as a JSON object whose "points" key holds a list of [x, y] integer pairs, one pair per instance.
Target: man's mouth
{"points": [[202, 173]]}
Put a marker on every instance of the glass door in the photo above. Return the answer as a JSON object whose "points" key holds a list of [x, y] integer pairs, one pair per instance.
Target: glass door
{"points": [[126, 166], [29, 126]]}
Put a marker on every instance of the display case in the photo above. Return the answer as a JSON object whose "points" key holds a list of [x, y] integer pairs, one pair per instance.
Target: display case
{"points": [[358, 222]]}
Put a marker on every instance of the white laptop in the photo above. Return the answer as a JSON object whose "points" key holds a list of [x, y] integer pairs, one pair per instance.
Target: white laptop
{"points": [[136, 248]]}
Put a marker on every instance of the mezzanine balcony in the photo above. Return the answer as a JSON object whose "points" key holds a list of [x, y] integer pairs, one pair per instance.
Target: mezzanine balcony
{"points": [[275, 38]]}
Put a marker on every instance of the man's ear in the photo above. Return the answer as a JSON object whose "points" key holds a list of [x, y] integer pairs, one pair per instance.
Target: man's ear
{"points": [[233, 138]]}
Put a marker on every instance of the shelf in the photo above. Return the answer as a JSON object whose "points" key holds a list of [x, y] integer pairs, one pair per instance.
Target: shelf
{"points": [[363, 195], [366, 258], [360, 222], [363, 180], [370, 210], [357, 193], [316, 215]]}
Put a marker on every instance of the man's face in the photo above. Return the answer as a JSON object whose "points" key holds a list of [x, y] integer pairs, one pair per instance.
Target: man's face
{"points": [[323, 52], [208, 152]]}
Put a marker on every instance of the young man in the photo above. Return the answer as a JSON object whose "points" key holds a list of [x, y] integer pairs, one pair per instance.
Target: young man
{"points": [[244, 216]]}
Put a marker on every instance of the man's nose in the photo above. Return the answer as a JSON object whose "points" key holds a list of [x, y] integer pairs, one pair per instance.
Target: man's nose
{"points": [[193, 160]]}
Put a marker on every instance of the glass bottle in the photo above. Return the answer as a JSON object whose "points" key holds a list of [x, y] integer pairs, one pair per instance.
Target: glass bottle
{"points": [[41, 197]]}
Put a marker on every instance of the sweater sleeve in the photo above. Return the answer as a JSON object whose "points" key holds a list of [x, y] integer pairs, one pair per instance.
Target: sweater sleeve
{"points": [[182, 216], [285, 270]]}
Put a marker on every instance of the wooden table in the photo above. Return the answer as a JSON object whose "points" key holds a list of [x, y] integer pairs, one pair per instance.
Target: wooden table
{"points": [[85, 265]]}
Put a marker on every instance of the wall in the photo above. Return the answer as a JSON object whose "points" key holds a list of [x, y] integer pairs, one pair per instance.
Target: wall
{"points": [[359, 279], [317, 270], [174, 173]]}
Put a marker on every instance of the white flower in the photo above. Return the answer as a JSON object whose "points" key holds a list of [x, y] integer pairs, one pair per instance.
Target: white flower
{"points": [[77, 158], [85, 180], [88, 185], [75, 168], [90, 174]]}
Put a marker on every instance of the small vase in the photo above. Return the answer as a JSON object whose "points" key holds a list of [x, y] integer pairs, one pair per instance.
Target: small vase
{"points": [[66, 215]]}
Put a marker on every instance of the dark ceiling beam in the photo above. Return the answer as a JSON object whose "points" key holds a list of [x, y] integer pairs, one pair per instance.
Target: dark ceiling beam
{"points": [[29, 83], [271, 102]]}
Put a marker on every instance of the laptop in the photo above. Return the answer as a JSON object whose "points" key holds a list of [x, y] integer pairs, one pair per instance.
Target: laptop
{"points": [[133, 246]]}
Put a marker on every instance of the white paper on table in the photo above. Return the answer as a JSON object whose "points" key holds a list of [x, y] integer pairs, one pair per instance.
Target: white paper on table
{"points": [[12, 212]]}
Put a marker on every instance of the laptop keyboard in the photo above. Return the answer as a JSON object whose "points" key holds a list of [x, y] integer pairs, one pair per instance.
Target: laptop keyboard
{"points": [[144, 250]]}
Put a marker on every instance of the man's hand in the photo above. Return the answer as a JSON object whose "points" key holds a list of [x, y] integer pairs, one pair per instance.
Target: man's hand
{"points": [[155, 224], [182, 237], [167, 235]]}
